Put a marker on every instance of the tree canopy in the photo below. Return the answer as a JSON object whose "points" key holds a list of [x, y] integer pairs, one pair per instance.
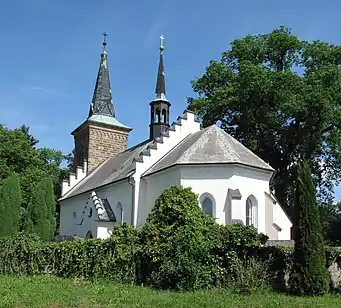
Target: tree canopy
{"points": [[19, 154], [280, 96]]}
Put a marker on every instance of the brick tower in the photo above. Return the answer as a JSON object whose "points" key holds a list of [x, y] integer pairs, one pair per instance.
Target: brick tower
{"points": [[101, 135]]}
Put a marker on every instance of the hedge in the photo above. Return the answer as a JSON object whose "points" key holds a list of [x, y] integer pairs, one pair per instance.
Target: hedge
{"points": [[118, 258], [179, 248]]}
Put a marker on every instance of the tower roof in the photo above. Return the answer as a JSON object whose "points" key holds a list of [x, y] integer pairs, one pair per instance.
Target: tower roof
{"points": [[102, 97], [160, 90]]}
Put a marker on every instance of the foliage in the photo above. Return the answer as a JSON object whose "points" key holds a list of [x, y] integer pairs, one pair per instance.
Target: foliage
{"points": [[249, 274], [40, 215], [331, 223], [21, 255], [309, 275], [50, 208], [10, 202], [183, 248], [280, 97], [18, 153]]}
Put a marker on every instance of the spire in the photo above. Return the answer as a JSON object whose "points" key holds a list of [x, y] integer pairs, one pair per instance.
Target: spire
{"points": [[102, 97], [160, 90], [160, 106]]}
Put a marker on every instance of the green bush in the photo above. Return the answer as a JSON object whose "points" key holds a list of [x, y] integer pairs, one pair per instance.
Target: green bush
{"points": [[21, 255], [250, 274], [113, 258], [183, 248]]}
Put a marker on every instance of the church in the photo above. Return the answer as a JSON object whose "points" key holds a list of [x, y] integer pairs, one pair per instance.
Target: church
{"points": [[114, 184]]}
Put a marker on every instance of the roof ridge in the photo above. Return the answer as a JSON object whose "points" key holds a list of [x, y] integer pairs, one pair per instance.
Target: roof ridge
{"points": [[244, 147], [169, 152]]}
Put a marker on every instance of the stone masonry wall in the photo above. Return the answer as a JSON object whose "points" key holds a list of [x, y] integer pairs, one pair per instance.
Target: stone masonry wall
{"points": [[104, 142]]}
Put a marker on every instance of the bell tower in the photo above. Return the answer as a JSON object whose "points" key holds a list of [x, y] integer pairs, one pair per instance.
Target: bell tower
{"points": [[101, 135], [159, 107]]}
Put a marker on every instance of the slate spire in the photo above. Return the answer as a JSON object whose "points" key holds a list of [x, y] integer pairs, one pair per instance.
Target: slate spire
{"points": [[160, 106], [160, 90], [102, 97]]}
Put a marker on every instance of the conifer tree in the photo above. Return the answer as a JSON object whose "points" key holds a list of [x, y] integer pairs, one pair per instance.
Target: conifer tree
{"points": [[309, 275], [40, 216], [50, 207], [38, 211], [10, 203]]}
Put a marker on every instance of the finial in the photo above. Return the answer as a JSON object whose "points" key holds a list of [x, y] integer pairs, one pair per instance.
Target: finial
{"points": [[162, 47], [104, 40]]}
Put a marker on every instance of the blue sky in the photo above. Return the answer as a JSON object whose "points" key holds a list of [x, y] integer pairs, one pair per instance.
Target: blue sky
{"points": [[50, 51]]}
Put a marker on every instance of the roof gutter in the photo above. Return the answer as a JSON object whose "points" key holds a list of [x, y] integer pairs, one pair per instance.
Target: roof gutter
{"points": [[131, 181]]}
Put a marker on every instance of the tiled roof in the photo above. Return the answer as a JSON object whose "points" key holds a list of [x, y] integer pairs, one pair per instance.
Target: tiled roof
{"points": [[211, 145], [112, 170]]}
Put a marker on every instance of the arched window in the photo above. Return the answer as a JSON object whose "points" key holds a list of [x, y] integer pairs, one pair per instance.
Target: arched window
{"points": [[164, 115], [157, 116], [251, 208], [207, 204], [88, 235], [120, 210]]}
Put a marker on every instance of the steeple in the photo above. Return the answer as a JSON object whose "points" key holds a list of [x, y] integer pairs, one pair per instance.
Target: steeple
{"points": [[160, 89], [101, 135], [159, 107], [101, 103]]}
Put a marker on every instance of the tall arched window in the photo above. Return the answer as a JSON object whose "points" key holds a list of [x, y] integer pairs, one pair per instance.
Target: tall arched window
{"points": [[120, 210], [207, 204], [157, 116], [251, 209], [164, 115]]}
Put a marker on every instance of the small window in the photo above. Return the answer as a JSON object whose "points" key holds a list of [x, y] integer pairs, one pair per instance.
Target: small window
{"points": [[248, 212], [207, 204], [90, 212], [251, 208], [164, 115], [74, 215], [157, 116], [88, 235], [120, 209]]}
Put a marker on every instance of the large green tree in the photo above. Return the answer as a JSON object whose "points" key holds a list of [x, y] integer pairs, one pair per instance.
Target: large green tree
{"points": [[281, 97], [309, 275], [19, 154], [10, 203]]}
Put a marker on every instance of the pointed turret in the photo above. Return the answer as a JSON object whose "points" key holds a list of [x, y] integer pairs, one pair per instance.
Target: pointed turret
{"points": [[101, 103], [160, 90], [101, 135], [160, 106]]}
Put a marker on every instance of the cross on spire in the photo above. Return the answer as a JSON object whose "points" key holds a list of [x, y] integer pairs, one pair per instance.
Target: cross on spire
{"points": [[162, 47], [104, 40]]}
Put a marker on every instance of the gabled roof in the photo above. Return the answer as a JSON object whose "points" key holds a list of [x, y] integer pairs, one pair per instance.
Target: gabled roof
{"points": [[112, 170], [108, 214], [211, 145]]}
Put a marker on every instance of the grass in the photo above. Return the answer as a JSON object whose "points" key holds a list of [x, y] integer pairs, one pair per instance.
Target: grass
{"points": [[44, 291]]}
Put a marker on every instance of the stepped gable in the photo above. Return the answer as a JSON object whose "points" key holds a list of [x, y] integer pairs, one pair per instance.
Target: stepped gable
{"points": [[211, 145]]}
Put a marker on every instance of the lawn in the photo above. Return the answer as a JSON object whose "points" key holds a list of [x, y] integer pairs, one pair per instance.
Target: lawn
{"points": [[55, 292]]}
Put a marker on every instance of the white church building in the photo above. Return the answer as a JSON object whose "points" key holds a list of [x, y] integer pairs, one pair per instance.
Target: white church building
{"points": [[115, 184]]}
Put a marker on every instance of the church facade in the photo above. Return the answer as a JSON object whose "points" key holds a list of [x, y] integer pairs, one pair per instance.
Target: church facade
{"points": [[115, 184]]}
